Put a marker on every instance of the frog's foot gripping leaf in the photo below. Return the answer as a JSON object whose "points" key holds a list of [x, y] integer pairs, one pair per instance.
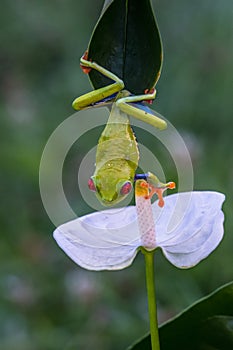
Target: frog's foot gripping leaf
{"points": [[83, 63], [152, 186]]}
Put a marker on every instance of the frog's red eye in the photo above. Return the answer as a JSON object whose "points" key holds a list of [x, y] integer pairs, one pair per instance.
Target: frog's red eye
{"points": [[126, 188], [91, 185]]}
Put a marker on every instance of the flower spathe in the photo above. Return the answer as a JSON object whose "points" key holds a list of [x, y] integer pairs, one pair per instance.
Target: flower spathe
{"points": [[187, 229]]}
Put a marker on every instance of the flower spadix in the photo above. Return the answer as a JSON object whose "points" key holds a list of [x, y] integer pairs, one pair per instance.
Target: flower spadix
{"points": [[144, 190], [188, 227]]}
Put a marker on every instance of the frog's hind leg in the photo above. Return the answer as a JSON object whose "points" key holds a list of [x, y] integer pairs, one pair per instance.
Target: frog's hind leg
{"points": [[100, 95], [133, 105]]}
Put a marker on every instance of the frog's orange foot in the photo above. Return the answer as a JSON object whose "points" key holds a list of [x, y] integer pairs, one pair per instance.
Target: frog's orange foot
{"points": [[171, 185], [159, 192], [142, 188], [85, 69], [149, 91]]}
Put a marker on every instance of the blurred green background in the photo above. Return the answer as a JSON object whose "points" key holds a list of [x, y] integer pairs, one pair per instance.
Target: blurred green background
{"points": [[46, 301]]}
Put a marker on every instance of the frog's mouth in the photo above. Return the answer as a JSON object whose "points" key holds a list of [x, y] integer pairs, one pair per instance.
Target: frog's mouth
{"points": [[110, 202]]}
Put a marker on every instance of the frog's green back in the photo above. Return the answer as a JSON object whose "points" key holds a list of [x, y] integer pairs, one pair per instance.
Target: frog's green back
{"points": [[116, 157]]}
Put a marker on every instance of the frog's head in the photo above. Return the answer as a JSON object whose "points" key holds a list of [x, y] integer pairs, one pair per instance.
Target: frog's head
{"points": [[109, 189]]}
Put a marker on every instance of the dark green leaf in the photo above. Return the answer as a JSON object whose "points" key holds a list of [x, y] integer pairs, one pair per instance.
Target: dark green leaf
{"points": [[206, 325], [217, 333], [126, 41]]}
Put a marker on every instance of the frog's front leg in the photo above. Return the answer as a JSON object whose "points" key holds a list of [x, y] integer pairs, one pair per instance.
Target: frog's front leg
{"points": [[155, 186], [99, 95], [132, 105]]}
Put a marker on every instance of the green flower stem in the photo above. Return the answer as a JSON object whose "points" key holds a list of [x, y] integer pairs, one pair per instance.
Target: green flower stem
{"points": [[150, 284]]}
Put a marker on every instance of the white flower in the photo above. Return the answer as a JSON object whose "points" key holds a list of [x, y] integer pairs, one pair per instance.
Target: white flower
{"points": [[187, 229]]}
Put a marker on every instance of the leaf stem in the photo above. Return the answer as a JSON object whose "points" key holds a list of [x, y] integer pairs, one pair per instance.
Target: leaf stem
{"points": [[151, 296]]}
